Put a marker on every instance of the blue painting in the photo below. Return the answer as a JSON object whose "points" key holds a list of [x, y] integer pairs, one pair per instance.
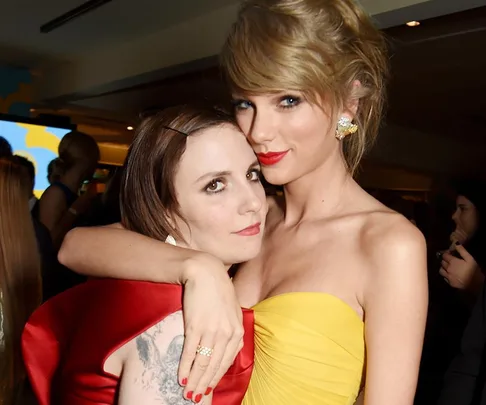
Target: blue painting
{"points": [[37, 143]]}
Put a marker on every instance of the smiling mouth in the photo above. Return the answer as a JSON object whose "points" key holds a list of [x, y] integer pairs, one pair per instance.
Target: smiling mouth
{"points": [[250, 231]]}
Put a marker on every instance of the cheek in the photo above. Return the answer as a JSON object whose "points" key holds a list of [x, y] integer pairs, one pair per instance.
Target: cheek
{"points": [[244, 120], [470, 220], [207, 221], [309, 129]]}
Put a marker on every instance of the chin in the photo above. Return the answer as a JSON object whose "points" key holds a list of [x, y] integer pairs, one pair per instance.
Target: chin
{"points": [[276, 176], [243, 256]]}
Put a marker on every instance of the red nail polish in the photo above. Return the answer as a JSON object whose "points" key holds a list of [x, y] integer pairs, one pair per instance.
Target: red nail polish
{"points": [[208, 391], [198, 398], [189, 395], [184, 381]]}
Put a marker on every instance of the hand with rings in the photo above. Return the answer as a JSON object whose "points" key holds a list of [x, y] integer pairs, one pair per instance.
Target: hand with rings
{"points": [[213, 324]]}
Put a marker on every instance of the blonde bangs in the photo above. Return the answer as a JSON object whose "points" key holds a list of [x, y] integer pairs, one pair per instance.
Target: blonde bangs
{"points": [[260, 57]]}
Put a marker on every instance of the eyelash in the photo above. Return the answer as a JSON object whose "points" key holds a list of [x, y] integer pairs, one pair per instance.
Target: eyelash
{"points": [[254, 171], [214, 182], [294, 102], [237, 104]]}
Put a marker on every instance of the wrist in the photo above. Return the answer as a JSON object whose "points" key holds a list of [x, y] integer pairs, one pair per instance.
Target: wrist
{"points": [[199, 264]]}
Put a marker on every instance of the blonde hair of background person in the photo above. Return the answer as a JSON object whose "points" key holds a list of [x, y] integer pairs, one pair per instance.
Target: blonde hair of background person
{"points": [[20, 278], [297, 69]]}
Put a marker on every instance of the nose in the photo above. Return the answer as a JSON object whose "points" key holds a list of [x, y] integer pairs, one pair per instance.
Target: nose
{"points": [[455, 216], [261, 128], [252, 199]]}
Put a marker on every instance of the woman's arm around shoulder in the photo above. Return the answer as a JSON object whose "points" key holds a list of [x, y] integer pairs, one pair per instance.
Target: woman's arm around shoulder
{"points": [[113, 251], [395, 301], [149, 374]]}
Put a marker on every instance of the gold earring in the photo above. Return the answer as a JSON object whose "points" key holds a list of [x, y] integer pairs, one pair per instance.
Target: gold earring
{"points": [[345, 127]]}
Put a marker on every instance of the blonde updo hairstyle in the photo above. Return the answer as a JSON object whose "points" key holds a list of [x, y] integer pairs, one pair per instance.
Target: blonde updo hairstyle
{"points": [[317, 47]]}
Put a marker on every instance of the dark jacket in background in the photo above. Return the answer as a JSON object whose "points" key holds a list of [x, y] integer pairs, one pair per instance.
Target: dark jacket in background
{"points": [[465, 381]]}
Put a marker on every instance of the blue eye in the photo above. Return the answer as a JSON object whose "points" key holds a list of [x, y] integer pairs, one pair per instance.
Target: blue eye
{"points": [[253, 175], [289, 101]]}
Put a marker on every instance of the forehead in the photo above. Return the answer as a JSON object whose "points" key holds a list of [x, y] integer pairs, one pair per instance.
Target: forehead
{"points": [[222, 148], [463, 200]]}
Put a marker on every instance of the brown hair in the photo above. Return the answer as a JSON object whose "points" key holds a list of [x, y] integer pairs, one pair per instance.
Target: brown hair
{"points": [[148, 197], [20, 277], [74, 148], [318, 47]]}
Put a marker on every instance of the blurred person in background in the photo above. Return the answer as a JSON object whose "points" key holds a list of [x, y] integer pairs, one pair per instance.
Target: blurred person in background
{"points": [[51, 269], [20, 277], [60, 204], [470, 234], [5, 148]]}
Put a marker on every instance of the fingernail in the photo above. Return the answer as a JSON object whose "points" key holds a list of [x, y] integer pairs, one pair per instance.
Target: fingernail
{"points": [[184, 382], [189, 395], [198, 398], [208, 391]]}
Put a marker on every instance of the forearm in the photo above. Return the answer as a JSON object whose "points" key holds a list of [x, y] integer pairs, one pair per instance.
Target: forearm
{"points": [[119, 253]]}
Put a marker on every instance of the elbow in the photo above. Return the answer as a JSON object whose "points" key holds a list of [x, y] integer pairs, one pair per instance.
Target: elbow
{"points": [[67, 251]]}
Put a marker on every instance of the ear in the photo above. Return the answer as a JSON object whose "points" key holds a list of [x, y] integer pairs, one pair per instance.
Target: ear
{"points": [[352, 103]]}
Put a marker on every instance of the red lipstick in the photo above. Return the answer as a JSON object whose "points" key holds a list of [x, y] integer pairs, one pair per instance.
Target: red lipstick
{"points": [[250, 231], [271, 158]]}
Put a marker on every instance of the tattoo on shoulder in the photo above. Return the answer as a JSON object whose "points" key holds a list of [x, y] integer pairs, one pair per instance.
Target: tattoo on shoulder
{"points": [[160, 368]]}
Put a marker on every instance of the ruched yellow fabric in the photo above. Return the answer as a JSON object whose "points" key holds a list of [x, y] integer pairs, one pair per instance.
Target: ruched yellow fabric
{"points": [[309, 350]]}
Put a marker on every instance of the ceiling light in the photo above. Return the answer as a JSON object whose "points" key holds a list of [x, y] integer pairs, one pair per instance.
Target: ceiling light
{"points": [[130, 128], [413, 23]]}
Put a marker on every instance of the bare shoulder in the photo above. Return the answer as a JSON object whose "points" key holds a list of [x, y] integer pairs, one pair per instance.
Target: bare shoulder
{"points": [[152, 362], [163, 339], [394, 251], [389, 234], [53, 194]]}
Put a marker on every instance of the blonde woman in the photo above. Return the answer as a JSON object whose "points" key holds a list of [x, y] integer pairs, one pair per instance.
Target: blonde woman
{"points": [[20, 280], [341, 278]]}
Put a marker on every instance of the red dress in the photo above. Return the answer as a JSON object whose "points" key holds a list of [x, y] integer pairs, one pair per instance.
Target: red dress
{"points": [[67, 340]]}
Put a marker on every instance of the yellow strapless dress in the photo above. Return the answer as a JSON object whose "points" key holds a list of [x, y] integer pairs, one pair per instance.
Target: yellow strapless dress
{"points": [[309, 350]]}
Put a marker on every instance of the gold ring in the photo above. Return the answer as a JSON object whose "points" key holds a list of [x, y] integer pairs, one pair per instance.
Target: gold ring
{"points": [[204, 351]]}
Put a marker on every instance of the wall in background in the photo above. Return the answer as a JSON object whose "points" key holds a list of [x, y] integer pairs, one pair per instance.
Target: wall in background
{"points": [[16, 91]]}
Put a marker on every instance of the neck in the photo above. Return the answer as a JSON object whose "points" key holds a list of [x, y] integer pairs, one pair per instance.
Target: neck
{"points": [[73, 178], [319, 193]]}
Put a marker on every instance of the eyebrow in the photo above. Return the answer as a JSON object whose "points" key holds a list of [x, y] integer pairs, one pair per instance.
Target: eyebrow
{"points": [[223, 173]]}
